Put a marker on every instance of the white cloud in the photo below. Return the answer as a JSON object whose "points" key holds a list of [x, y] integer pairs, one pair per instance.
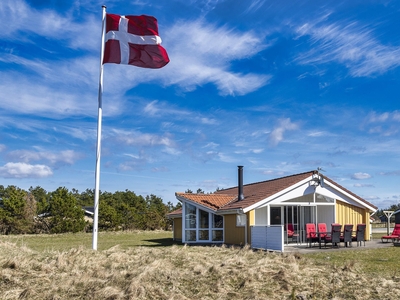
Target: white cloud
{"points": [[157, 108], [384, 124], [192, 46], [350, 44], [208, 121], [48, 23], [211, 145], [360, 176], [226, 158], [255, 5], [23, 170], [54, 158], [276, 135], [257, 151], [137, 138], [374, 117], [363, 185]]}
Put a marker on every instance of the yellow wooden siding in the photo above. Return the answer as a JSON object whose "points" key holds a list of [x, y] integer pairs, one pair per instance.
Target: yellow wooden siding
{"points": [[178, 229], [251, 217], [233, 234], [350, 214], [250, 222]]}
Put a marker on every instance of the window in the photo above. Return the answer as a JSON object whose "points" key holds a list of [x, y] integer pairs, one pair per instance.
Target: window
{"points": [[203, 219], [190, 216], [240, 220], [218, 221], [202, 226]]}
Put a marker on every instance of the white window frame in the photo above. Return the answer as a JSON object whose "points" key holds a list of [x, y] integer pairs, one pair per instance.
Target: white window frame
{"points": [[197, 228], [241, 220]]}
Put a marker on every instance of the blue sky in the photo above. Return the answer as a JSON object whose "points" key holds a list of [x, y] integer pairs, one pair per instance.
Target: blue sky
{"points": [[280, 87]]}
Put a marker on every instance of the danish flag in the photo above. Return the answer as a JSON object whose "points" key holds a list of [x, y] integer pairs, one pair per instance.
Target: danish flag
{"points": [[134, 40]]}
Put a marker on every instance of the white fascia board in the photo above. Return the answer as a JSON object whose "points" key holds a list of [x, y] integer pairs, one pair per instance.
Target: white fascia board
{"points": [[183, 200], [238, 211], [296, 190], [333, 191]]}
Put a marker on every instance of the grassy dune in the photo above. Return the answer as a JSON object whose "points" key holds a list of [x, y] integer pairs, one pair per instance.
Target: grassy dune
{"points": [[159, 270]]}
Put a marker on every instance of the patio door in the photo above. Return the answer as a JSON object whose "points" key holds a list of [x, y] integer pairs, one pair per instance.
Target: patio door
{"points": [[307, 215]]}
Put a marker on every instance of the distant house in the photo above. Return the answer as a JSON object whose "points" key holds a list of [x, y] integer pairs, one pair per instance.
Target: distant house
{"points": [[234, 215], [89, 213], [397, 216]]}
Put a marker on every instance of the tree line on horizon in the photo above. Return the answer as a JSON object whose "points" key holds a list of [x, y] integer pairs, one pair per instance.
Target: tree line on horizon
{"points": [[62, 210]]}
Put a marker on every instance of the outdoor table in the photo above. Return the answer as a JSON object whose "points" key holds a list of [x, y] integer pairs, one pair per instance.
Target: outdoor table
{"points": [[318, 234]]}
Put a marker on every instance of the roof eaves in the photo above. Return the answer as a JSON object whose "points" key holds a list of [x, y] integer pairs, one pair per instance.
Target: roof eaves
{"points": [[350, 194], [278, 194], [184, 199]]}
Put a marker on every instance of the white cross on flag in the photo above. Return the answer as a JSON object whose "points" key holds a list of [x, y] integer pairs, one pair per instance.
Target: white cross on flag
{"points": [[134, 40]]}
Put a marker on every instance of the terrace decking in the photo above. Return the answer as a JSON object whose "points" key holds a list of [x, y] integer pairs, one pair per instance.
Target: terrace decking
{"points": [[304, 248]]}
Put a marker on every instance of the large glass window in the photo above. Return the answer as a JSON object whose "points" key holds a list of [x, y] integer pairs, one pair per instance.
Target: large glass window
{"points": [[190, 235], [190, 216], [204, 217], [218, 221], [201, 225], [217, 235], [275, 214]]}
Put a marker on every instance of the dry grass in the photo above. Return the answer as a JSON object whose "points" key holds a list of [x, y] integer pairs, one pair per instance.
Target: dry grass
{"points": [[180, 272]]}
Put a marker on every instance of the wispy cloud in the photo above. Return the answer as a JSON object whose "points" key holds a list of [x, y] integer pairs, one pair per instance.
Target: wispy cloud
{"points": [[137, 138], [54, 158], [391, 173], [47, 23], [362, 185], [255, 5], [351, 44], [360, 176], [384, 124], [158, 108], [276, 135]]}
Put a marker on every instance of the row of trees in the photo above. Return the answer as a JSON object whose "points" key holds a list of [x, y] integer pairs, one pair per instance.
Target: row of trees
{"points": [[39, 211], [381, 215]]}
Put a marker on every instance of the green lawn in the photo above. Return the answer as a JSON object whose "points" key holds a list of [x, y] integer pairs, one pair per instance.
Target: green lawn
{"points": [[106, 240]]}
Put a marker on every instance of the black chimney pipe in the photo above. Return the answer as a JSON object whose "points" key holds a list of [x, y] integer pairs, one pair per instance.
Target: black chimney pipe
{"points": [[240, 183]]}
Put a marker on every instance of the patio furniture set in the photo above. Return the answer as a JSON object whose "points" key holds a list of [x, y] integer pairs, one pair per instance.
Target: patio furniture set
{"points": [[336, 235]]}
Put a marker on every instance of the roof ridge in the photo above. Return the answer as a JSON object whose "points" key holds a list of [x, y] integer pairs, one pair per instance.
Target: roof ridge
{"points": [[249, 184]]}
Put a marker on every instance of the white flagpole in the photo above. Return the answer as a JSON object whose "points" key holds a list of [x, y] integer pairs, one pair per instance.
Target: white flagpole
{"points": [[98, 148]]}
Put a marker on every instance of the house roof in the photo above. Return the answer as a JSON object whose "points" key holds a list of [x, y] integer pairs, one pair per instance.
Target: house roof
{"points": [[227, 199], [258, 191], [175, 213], [211, 201]]}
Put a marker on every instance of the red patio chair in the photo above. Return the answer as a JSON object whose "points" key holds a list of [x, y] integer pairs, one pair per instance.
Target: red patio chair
{"points": [[395, 234], [291, 233], [289, 229], [311, 233], [322, 230]]}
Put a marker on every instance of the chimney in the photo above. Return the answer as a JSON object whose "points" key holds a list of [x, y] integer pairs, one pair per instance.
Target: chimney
{"points": [[240, 183]]}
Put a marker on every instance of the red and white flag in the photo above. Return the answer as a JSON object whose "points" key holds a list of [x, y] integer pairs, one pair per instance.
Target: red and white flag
{"points": [[134, 40]]}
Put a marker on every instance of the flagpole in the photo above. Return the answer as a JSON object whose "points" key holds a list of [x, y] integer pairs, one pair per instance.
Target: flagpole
{"points": [[98, 147]]}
